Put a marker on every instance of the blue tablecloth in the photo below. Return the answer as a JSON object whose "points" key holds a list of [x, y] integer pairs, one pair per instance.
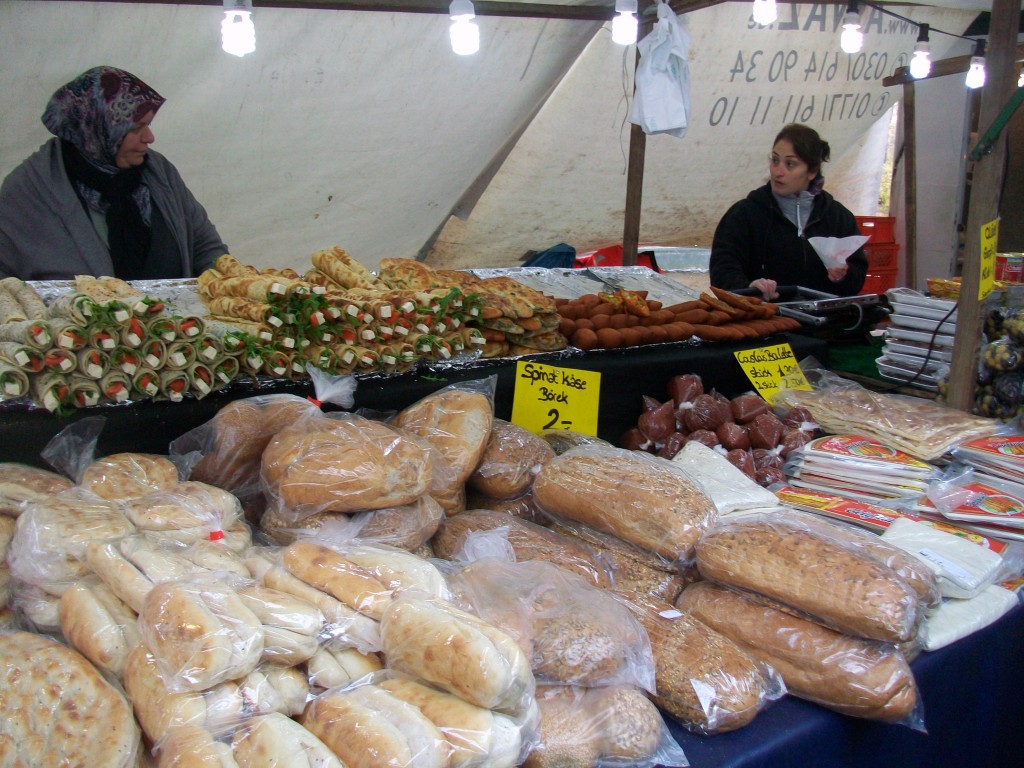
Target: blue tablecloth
{"points": [[973, 693]]}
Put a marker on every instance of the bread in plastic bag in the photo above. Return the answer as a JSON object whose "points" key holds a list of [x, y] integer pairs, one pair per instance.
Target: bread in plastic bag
{"points": [[523, 507], [333, 667], [99, 625], [124, 476], [812, 567], [528, 540], [572, 632], [22, 483], [458, 652], [639, 498], [511, 459], [857, 677], [704, 679], [188, 511], [612, 725]]}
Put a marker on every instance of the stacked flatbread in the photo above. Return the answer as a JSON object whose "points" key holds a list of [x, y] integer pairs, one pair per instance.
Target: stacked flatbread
{"points": [[921, 428]]}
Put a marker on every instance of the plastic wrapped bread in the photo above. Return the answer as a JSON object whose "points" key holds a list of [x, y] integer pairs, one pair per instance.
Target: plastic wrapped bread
{"points": [[862, 678], [511, 459], [821, 573], [22, 483], [644, 500]]}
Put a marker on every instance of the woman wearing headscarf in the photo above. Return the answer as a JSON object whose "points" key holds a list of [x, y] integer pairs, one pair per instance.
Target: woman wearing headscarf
{"points": [[762, 241], [96, 199]]}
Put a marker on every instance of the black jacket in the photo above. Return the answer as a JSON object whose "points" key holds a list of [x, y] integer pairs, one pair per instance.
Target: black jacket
{"points": [[754, 239]]}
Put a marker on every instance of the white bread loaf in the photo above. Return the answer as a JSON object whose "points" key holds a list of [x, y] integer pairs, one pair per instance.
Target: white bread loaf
{"points": [[511, 460], [99, 625], [277, 740], [334, 668], [330, 571], [193, 746]]}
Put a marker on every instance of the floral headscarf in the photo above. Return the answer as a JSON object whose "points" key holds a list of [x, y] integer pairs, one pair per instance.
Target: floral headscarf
{"points": [[95, 111]]}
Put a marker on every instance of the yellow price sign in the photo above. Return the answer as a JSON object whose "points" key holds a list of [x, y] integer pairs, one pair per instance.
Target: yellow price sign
{"points": [[771, 369], [989, 239], [548, 397]]}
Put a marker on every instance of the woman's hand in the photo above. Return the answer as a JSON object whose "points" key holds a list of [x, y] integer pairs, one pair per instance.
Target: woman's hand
{"points": [[766, 287], [835, 274]]}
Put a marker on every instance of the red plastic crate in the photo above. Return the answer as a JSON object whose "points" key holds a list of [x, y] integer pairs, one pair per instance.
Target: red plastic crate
{"points": [[881, 229], [879, 282], [882, 256]]}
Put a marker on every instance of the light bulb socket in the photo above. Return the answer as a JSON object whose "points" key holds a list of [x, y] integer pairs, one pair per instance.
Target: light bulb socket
{"points": [[461, 9], [979, 49], [625, 6], [922, 34], [242, 6]]}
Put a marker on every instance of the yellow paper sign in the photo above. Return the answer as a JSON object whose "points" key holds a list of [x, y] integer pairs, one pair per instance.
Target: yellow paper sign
{"points": [[771, 369], [989, 239], [547, 397]]}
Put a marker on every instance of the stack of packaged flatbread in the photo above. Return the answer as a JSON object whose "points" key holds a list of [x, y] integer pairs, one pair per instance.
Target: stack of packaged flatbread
{"points": [[105, 341]]}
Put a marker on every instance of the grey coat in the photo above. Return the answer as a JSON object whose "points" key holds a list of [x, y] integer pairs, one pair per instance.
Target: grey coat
{"points": [[45, 233]]}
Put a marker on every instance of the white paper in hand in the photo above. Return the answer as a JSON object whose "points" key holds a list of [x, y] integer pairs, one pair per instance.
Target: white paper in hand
{"points": [[833, 251]]}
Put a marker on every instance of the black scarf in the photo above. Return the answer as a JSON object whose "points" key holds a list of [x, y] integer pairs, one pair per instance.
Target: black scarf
{"points": [[128, 235]]}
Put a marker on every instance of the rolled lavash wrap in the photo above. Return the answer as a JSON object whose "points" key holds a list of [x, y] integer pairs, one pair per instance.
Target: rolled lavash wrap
{"points": [[116, 386], [146, 382], [246, 309], [154, 353], [125, 359], [367, 359], [189, 326], [276, 363], [231, 333], [160, 327], [13, 382], [22, 356], [69, 334], [346, 357], [180, 355], [93, 363], [225, 370], [60, 361], [75, 307], [322, 357], [104, 337], [35, 333], [11, 310], [398, 356], [134, 333], [51, 390], [636, 497], [201, 380], [172, 384], [208, 348], [337, 264], [32, 304], [85, 391]]}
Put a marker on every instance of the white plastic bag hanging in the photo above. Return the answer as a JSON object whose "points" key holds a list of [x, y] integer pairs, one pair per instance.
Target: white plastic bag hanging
{"points": [[661, 103]]}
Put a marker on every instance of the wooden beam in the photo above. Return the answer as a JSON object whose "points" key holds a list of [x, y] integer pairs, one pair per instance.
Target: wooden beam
{"points": [[941, 68], [986, 181], [909, 114]]}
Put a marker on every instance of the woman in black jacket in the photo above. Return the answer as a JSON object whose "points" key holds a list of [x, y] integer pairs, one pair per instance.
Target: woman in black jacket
{"points": [[762, 241]]}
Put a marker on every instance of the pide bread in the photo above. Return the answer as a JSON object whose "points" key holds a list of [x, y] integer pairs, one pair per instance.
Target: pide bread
{"points": [[344, 465], [200, 633], [857, 677], [99, 625], [123, 476], [280, 609], [276, 740], [58, 709], [476, 736], [580, 727], [528, 540], [184, 505], [397, 569], [22, 483], [158, 709], [291, 685], [330, 571], [193, 746], [639, 498], [511, 459], [334, 668], [457, 422], [812, 571], [458, 652], [366, 726], [119, 574], [704, 679]]}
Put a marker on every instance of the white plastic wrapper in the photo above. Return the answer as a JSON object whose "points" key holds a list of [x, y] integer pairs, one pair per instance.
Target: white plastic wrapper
{"points": [[834, 251], [957, 619], [730, 488]]}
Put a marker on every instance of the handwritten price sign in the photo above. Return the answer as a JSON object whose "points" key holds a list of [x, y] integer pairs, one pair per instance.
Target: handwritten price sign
{"points": [[989, 238], [771, 369], [547, 397]]}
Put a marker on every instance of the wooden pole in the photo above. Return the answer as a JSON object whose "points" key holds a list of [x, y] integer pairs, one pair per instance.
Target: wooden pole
{"points": [[910, 185], [986, 181]]}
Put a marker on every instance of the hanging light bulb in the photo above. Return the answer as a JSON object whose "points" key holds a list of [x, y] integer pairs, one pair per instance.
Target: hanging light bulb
{"points": [[1020, 79], [237, 32], [976, 72], [765, 12], [465, 34], [921, 65], [624, 24], [852, 38]]}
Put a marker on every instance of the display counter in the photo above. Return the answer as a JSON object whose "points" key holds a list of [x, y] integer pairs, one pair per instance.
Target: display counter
{"points": [[973, 696], [626, 376]]}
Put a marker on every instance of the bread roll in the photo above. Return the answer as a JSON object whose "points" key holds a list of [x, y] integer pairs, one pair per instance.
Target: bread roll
{"points": [[476, 736], [704, 679], [333, 668], [397, 569], [511, 459], [641, 499], [118, 573], [583, 727], [523, 506], [366, 726], [344, 465], [813, 571], [280, 609], [456, 422], [276, 740], [185, 505], [330, 571], [99, 625], [292, 687], [58, 709], [124, 476], [528, 541], [457, 652], [857, 677], [21, 484], [200, 633], [193, 746]]}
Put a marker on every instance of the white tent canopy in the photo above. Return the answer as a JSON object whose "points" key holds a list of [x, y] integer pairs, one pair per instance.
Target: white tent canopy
{"points": [[364, 130]]}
